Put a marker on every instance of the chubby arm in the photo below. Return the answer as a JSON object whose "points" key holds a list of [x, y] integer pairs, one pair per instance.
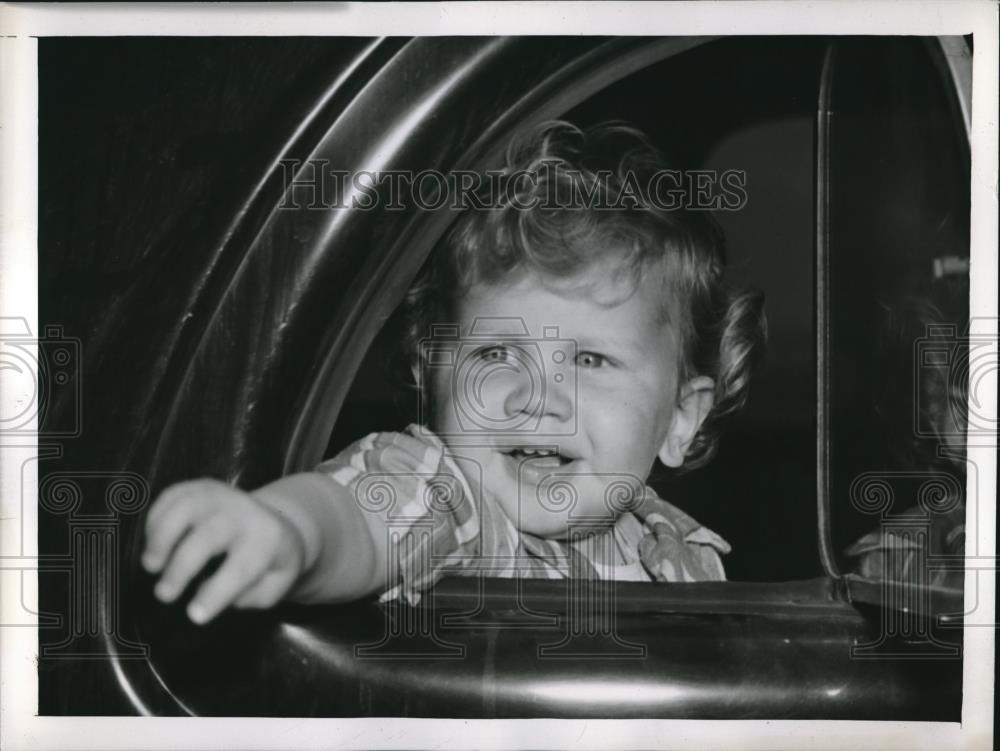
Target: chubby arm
{"points": [[302, 538], [345, 549]]}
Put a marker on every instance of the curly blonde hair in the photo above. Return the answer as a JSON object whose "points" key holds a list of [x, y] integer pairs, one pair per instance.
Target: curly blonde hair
{"points": [[721, 331]]}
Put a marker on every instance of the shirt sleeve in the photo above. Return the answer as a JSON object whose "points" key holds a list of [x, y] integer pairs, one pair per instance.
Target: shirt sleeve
{"points": [[428, 512], [899, 551], [678, 548]]}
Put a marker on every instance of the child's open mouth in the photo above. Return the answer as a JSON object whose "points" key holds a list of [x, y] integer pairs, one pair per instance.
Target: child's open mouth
{"points": [[541, 457]]}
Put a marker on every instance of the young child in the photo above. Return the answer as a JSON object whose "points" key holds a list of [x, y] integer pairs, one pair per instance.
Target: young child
{"points": [[594, 336]]}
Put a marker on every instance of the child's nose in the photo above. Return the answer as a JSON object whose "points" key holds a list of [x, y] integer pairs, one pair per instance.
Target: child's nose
{"points": [[539, 398]]}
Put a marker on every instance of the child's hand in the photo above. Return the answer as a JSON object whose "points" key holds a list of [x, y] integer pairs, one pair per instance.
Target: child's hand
{"points": [[193, 522]]}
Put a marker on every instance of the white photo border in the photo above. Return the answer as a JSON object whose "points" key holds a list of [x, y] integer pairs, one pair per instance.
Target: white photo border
{"points": [[21, 25]]}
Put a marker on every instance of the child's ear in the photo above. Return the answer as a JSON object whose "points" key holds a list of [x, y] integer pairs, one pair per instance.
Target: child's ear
{"points": [[694, 404]]}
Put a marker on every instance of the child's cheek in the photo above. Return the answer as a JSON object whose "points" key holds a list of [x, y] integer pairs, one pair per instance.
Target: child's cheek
{"points": [[624, 425], [477, 397]]}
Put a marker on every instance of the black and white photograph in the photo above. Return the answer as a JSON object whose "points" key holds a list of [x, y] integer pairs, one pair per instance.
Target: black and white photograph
{"points": [[437, 376]]}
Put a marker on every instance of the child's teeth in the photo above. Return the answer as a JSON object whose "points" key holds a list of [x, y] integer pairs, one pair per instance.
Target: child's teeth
{"points": [[538, 453]]}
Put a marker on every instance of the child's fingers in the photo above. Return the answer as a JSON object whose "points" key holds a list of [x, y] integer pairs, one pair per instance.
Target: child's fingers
{"points": [[178, 493], [167, 497], [241, 569], [176, 516], [190, 557]]}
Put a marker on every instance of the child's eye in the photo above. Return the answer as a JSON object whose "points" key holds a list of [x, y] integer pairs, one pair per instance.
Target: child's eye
{"points": [[495, 353], [591, 360]]}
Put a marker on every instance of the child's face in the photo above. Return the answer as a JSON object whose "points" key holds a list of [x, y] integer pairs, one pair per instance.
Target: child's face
{"points": [[615, 407]]}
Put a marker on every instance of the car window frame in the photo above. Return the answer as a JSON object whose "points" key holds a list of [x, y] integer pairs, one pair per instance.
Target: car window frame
{"points": [[953, 60]]}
